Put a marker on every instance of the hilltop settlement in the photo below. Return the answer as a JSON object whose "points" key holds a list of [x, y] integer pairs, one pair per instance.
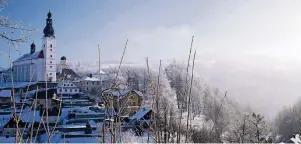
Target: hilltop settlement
{"points": [[45, 101]]}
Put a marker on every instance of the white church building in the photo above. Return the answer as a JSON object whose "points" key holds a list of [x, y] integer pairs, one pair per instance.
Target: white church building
{"points": [[38, 65]]}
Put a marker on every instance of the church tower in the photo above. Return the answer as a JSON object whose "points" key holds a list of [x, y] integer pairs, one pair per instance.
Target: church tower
{"points": [[49, 49], [63, 63]]}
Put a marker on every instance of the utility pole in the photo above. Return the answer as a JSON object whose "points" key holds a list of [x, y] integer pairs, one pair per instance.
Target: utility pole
{"points": [[98, 60], [99, 68]]}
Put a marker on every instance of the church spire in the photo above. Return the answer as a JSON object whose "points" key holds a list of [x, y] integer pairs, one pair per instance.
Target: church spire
{"points": [[48, 30]]}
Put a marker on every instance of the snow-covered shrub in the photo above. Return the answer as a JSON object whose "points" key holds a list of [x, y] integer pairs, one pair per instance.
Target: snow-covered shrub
{"points": [[296, 139], [130, 137]]}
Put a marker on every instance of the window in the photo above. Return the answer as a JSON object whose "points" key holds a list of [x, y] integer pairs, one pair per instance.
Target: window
{"points": [[50, 49], [65, 90], [50, 55], [98, 83], [44, 45], [50, 61], [64, 84], [92, 83], [50, 73], [71, 84], [70, 90], [87, 89], [67, 84], [87, 83], [51, 45], [60, 90], [75, 90]]}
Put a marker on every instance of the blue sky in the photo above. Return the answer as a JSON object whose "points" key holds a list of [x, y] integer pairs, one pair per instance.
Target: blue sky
{"points": [[162, 29], [75, 23]]}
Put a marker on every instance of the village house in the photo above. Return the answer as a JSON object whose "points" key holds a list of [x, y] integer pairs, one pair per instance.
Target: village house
{"points": [[129, 101], [5, 75], [5, 96], [142, 117], [49, 103], [67, 88], [90, 85], [9, 129]]}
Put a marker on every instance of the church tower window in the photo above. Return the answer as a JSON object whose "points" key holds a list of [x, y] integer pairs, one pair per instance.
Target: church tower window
{"points": [[50, 45], [50, 55]]}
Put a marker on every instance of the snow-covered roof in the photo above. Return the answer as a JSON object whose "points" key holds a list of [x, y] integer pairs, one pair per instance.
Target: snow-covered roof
{"points": [[138, 93], [5, 93], [123, 92], [16, 84], [101, 72], [4, 70], [120, 92], [141, 113], [30, 116], [91, 79], [29, 56]]}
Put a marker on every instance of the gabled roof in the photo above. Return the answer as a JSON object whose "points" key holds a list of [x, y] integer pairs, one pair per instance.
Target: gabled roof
{"points": [[65, 72], [16, 84], [91, 79], [138, 93], [124, 92], [141, 113], [120, 92], [5, 93], [28, 56], [99, 72], [29, 116]]}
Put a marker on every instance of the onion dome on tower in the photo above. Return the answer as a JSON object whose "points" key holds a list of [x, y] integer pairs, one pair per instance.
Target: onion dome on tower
{"points": [[63, 58], [32, 48], [48, 30]]}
